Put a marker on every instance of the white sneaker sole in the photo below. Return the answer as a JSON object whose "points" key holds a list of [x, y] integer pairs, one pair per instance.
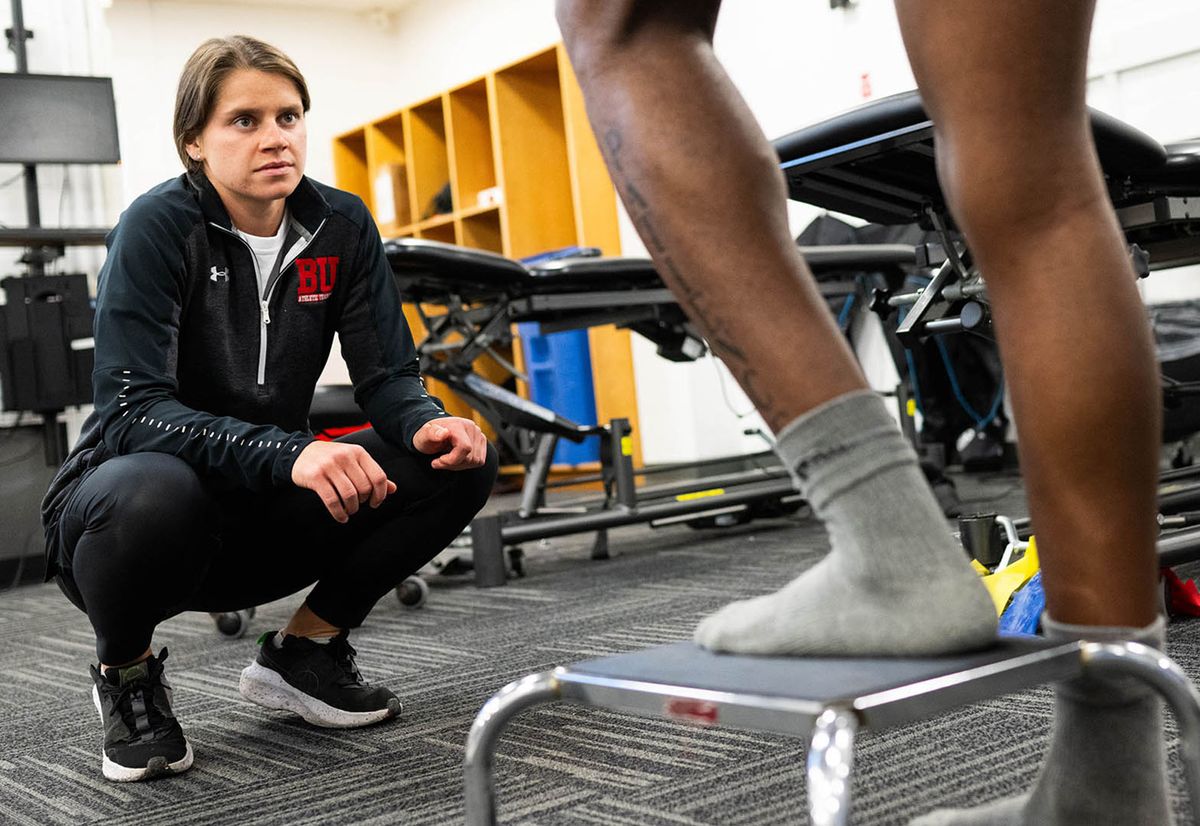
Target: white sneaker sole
{"points": [[157, 767], [268, 689]]}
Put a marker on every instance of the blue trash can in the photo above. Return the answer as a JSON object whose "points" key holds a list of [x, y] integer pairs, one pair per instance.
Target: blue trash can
{"points": [[559, 366]]}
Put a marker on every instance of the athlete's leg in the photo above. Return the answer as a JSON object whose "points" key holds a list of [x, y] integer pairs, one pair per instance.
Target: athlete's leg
{"points": [[705, 191], [1017, 163], [1005, 87]]}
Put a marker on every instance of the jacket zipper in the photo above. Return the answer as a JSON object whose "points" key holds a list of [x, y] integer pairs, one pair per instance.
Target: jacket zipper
{"points": [[264, 302]]}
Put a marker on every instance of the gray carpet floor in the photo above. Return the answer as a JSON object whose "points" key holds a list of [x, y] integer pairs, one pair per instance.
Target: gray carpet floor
{"points": [[556, 765]]}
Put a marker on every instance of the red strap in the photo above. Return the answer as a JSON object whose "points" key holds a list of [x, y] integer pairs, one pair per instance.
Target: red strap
{"points": [[331, 433], [1183, 598]]}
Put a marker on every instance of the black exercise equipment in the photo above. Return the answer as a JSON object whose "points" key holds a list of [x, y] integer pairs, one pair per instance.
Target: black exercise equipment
{"points": [[876, 162], [480, 295]]}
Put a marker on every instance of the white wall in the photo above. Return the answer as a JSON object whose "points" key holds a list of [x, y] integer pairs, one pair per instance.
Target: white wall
{"points": [[345, 58], [442, 43], [1145, 69]]}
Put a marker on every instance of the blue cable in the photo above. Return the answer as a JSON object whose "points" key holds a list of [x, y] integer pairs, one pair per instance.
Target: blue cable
{"points": [[844, 315], [980, 421], [912, 377], [912, 367]]}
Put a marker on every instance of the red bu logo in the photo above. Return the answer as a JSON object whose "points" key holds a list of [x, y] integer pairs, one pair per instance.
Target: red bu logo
{"points": [[317, 277]]}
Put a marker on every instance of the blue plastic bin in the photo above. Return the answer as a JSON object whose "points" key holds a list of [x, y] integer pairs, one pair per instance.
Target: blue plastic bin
{"points": [[559, 366]]}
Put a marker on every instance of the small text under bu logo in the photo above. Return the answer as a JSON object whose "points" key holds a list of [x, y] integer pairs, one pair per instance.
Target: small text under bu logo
{"points": [[218, 275], [317, 277]]}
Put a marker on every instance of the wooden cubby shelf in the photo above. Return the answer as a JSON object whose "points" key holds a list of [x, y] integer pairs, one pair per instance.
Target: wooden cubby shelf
{"points": [[524, 176]]}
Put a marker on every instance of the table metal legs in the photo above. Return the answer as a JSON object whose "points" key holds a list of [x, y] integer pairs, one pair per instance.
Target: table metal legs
{"points": [[485, 732], [1157, 669], [830, 763], [831, 749]]}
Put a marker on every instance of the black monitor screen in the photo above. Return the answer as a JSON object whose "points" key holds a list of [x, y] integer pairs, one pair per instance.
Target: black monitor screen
{"points": [[57, 119]]}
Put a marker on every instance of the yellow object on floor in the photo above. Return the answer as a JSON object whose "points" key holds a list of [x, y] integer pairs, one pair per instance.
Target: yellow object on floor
{"points": [[1003, 584]]}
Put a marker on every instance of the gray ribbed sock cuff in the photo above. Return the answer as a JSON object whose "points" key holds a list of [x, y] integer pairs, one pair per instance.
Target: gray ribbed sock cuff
{"points": [[841, 442], [1106, 690], [1154, 634]]}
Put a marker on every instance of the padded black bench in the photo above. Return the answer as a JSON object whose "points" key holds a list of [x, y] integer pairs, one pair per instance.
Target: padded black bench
{"points": [[468, 301], [877, 162], [432, 271], [484, 293]]}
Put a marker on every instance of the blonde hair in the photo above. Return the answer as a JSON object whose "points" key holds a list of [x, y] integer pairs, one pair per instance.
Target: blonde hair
{"points": [[206, 70]]}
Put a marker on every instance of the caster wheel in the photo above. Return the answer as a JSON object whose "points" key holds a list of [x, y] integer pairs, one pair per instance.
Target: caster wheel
{"points": [[233, 624], [412, 592]]}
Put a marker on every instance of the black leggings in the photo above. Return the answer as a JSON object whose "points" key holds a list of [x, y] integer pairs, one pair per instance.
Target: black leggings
{"points": [[144, 538]]}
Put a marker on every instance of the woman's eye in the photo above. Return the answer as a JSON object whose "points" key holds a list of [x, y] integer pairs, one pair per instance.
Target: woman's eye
{"points": [[243, 121], [290, 117]]}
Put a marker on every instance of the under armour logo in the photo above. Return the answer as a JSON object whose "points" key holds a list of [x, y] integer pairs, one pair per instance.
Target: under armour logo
{"points": [[218, 275]]}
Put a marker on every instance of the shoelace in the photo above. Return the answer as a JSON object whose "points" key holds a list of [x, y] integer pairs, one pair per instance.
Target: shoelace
{"points": [[343, 654], [144, 689], [123, 699]]}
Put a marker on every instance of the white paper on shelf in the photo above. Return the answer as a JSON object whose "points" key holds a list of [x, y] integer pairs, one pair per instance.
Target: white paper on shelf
{"points": [[492, 196], [384, 197]]}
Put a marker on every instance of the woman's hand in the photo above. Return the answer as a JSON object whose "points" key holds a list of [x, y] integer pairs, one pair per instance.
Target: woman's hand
{"points": [[343, 475], [460, 442]]}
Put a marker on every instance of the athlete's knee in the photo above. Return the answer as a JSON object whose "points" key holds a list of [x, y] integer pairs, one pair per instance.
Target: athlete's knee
{"points": [[592, 30], [597, 31], [155, 494], [1014, 183]]}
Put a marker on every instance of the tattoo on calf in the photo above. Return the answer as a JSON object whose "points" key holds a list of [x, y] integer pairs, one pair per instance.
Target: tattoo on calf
{"points": [[698, 304]]}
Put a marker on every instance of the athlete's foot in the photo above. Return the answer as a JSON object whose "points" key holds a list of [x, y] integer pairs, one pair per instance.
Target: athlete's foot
{"points": [[895, 581], [828, 611]]}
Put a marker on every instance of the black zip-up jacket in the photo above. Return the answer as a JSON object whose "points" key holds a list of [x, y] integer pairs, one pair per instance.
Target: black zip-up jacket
{"points": [[192, 361]]}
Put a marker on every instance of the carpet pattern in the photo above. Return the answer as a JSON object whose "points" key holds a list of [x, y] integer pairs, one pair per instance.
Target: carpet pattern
{"points": [[558, 764]]}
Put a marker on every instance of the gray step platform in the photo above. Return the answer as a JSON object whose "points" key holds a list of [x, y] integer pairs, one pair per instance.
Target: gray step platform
{"points": [[826, 699]]}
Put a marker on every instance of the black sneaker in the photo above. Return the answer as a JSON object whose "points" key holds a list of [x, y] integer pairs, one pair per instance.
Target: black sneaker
{"points": [[318, 681], [142, 738]]}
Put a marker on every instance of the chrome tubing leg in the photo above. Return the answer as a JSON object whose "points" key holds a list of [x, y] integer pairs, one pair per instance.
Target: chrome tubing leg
{"points": [[1161, 672], [830, 762], [478, 779]]}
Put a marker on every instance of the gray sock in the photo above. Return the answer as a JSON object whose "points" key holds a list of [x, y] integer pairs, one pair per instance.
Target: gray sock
{"points": [[894, 583], [1106, 762]]}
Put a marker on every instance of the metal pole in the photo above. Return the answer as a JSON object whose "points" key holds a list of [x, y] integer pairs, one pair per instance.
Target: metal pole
{"points": [[16, 42], [622, 463], [487, 552]]}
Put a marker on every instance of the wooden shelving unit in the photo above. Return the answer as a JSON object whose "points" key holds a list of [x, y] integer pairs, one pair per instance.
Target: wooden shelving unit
{"points": [[524, 175]]}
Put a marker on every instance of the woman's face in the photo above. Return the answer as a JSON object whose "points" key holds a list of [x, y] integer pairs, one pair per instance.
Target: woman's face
{"points": [[254, 143]]}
